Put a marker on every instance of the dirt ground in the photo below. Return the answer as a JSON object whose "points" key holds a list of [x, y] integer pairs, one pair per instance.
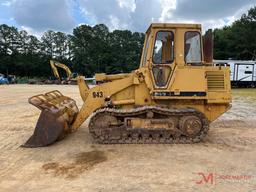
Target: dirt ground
{"points": [[225, 161]]}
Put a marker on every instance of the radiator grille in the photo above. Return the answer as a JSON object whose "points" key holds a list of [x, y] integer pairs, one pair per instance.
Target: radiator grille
{"points": [[215, 80]]}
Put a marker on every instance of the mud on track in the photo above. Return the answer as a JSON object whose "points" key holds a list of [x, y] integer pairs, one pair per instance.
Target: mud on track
{"points": [[78, 164]]}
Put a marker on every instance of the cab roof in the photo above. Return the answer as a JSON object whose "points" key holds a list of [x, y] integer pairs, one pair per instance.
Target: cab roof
{"points": [[174, 25]]}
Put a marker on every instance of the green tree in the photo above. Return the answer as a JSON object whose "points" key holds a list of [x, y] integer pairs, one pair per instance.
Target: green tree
{"points": [[9, 43], [238, 40]]}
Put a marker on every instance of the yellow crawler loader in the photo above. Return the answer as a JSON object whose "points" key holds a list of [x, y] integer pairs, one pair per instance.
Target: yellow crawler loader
{"points": [[171, 98]]}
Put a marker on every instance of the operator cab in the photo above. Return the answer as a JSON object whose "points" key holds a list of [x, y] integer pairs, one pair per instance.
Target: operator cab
{"points": [[164, 50]]}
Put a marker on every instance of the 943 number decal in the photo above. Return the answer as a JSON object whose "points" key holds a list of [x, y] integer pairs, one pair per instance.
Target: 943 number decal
{"points": [[97, 94]]}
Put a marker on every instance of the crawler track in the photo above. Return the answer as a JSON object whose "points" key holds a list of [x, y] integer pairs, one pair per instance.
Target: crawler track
{"points": [[108, 126]]}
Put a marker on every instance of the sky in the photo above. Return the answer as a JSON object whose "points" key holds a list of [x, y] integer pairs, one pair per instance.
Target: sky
{"points": [[37, 16]]}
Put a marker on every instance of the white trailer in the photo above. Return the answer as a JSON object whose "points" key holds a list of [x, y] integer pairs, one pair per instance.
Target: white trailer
{"points": [[242, 73]]}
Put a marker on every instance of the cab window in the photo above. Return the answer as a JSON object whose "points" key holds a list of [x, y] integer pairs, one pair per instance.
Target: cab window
{"points": [[192, 47], [163, 54], [163, 48], [146, 51]]}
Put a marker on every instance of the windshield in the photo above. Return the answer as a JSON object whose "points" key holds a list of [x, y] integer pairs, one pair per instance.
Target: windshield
{"points": [[146, 50]]}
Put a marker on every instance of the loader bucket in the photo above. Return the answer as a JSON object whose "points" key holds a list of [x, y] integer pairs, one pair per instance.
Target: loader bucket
{"points": [[57, 115]]}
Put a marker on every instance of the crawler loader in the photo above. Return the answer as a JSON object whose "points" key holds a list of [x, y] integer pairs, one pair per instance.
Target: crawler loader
{"points": [[171, 98]]}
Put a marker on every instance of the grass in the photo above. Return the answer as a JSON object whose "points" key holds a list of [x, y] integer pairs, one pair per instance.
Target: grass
{"points": [[244, 92]]}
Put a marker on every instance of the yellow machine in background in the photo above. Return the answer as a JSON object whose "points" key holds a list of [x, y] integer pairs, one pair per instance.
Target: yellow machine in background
{"points": [[70, 77], [171, 98]]}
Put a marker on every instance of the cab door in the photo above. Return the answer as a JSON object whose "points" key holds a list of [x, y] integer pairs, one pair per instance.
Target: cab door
{"points": [[162, 58]]}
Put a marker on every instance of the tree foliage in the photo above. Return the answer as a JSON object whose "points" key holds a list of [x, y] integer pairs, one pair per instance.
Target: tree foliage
{"points": [[238, 40], [86, 51]]}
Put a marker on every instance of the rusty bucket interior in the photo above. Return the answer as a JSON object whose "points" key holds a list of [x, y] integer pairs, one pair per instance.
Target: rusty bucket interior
{"points": [[57, 115]]}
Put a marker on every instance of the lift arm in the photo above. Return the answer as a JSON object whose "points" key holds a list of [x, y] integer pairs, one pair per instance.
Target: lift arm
{"points": [[55, 64], [54, 69]]}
